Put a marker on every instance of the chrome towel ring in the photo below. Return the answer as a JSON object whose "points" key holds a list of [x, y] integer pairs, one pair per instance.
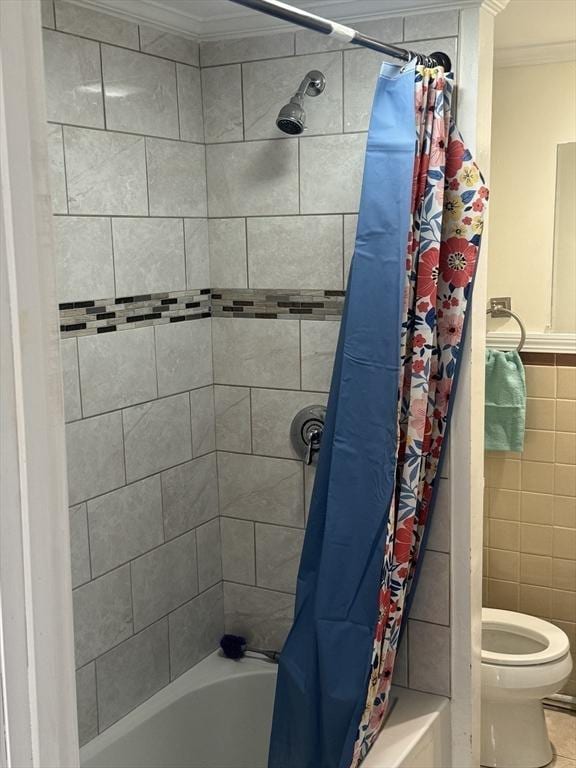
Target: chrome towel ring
{"points": [[501, 308]]}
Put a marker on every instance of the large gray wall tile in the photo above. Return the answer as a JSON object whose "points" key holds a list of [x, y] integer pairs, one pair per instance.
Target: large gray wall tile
{"points": [[176, 178], [263, 102], [361, 70], [222, 97], [255, 178], [278, 552], [426, 642], [71, 380], [423, 26], [125, 523], [432, 597], [272, 413], [203, 421], [170, 46], [295, 252], [157, 435], [164, 579], [331, 170], [262, 616], [140, 93], [319, 339], [246, 49], [106, 173], [79, 548], [132, 672], [190, 495], [95, 453], [350, 226], [238, 550], [382, 29], [260, 488], [56, 169], [209, 554], [85, 22], [117, 370], [190, 103], [232, 410], [73, 80], [196, 629], [84, 263], [183, 355], [197, 253], [102, 614], [47, 13], [400, 675], [439, 534], [256, 352], [87, 705], [148, 256], [228, 266]]}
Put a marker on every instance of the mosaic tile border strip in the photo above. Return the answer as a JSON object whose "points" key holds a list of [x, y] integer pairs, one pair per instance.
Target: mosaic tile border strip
{"points": [[87, 318], [278, 304]]}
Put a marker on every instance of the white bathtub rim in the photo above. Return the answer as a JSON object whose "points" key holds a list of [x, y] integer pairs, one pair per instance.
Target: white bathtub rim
{"points": [[213, 669]]}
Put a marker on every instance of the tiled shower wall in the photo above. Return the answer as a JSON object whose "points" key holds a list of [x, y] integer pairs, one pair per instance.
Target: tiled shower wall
{"points": [[131, 242], [530, 505], [282, 218]]}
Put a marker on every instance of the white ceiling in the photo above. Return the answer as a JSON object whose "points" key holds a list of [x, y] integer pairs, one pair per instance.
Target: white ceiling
{"points": [[220, 18]]}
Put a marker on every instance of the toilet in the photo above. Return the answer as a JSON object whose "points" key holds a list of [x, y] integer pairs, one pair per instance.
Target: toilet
{"points": [[524, 660]]}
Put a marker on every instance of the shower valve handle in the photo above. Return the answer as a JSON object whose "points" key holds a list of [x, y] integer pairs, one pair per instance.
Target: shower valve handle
{"points": [[314, 437]]}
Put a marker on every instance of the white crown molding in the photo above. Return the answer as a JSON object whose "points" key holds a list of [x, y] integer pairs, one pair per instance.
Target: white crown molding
{"points": [[564, 343], [240, 22], [532, 55]]}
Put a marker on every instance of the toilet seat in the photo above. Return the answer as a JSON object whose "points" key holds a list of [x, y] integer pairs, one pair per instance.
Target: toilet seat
{"points": [[550, 642]]}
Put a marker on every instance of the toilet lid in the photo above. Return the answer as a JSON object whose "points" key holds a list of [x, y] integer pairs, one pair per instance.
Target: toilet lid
{"points": [[516, 639]]}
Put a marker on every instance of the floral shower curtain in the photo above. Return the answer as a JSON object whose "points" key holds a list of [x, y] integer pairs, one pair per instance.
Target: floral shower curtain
{"points": [[393, 384]]}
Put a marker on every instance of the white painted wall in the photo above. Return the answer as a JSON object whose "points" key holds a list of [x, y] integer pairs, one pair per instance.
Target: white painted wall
{"points": [[534, 110]]}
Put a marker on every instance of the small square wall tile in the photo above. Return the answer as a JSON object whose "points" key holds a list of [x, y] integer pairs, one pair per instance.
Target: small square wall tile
{"points": [[238, 550], [102, 614], [503, 473], [540, 413], [164, 579], [566, 415], [535, 601], [70, 379], [504, 504], [157, 435], [536, 570], [505, 535], [86, 703], [56, 169], [85, 22], [563, 605], [278, 551], [105, 173], [209, 554], [73, 80], [95, 453], [79, 549], [176, 178], [233, 430], [432, 596], [84, 261], [170, 46], [536, 508], [566, 383], [262, 616], [222, 98], [190, 103], [203, 422], [565, 447], [228, 264], [148, 256], [503, 594], [534, 539], [183, 356], [190, 495], [429, 657], [564, 574], [117, 370], [540, 380], [564, 543], [197, 253], [196, 629], [132, 672], [537, 477], [124, 524], [565, 479], [503, 564], [538, 445], [565, 511]]}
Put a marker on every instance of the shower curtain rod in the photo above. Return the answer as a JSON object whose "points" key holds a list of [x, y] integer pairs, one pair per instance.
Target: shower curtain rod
{"points": [[341, 32]]}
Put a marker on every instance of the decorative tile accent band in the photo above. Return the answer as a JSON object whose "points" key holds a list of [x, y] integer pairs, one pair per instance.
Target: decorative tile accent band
{"points": [[86, 318], [314, 304]]}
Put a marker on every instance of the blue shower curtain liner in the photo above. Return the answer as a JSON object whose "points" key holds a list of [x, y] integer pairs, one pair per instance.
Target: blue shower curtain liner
{"points": [[325, 663]]}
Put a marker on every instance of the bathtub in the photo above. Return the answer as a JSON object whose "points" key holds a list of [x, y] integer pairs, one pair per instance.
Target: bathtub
{"points": [[218, 715]]}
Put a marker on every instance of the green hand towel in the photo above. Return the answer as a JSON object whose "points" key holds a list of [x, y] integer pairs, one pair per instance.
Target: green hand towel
{"points": [[505, 409]]}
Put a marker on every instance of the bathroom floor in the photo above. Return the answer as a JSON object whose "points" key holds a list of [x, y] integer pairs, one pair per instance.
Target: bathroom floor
{"points": [[562, 731]]}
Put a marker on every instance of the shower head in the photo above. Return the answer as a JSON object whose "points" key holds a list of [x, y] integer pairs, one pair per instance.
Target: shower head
{"points": [[292, 117]]}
